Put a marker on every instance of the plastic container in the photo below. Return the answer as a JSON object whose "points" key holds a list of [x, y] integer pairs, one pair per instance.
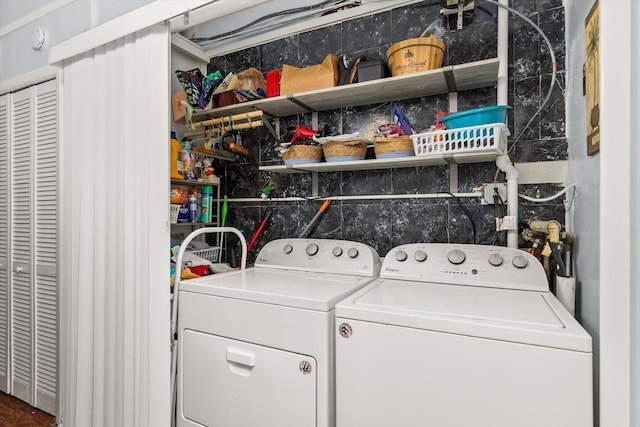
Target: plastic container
{"points": [[188, 161], [177, 168], [174, 210], [207, 199], [485, 139], [211, 254], [273, 83], [476, 117], [415, 55], [193, 208]]}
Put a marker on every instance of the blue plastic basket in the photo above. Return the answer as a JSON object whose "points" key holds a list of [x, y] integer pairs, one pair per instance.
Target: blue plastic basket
{"points": [[476, 117]]}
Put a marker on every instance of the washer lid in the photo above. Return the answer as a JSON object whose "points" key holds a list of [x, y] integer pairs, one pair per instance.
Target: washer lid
{"points": [[300, 289], [529, 317]]}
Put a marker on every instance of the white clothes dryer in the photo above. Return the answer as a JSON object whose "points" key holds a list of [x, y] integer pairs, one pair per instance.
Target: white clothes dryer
{"points": [[256, 346], [459, 336]]}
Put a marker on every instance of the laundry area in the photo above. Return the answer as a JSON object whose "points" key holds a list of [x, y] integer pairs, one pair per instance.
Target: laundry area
{"points": [[387, 137], [321, 213]]}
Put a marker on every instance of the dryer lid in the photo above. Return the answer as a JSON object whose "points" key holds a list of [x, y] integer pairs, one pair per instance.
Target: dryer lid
{"points": [[529, 317]]}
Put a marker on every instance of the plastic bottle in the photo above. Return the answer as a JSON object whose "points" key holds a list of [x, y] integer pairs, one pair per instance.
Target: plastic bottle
{"points": [[177, 169], [205, 215], [187, 160], [193, 208]]}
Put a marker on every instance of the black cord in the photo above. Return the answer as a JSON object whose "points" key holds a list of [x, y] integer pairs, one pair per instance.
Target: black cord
{"points": [[500, 211], [466, 211]]}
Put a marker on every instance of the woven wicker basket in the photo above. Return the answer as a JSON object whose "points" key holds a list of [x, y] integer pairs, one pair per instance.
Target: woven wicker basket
{"points": [[393, 147], [348, 150], [302, 154]]}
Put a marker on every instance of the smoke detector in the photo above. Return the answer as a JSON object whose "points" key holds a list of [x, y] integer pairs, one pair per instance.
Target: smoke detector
{"points": [[38, 38]]}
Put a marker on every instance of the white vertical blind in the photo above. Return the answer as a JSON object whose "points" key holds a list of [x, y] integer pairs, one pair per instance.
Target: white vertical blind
{"points": [[114, 235], [45, 302], [4, 243]]}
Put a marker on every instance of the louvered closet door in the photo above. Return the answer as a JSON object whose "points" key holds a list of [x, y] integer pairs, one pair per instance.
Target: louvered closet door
{"points": [[33, 286], [46, 291], [21, 246], [4, 243]]}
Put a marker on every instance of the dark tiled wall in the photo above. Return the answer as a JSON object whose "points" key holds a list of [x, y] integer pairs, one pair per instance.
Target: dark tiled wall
{"points": [[384, 224]]}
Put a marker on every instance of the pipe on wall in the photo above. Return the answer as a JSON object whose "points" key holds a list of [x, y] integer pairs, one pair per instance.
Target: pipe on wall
{"points": [[472, 195], [505, 165], [504, 162]]}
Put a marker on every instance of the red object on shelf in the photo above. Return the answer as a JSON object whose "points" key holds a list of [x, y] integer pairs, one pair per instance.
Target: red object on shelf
{"points": [[440, 126], [225, 98], [273, 83], [200, 270]]}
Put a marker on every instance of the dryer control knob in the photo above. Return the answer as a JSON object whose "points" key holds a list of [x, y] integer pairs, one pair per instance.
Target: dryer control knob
{"points": [[519, 261], [287, 248], [401, 256], [337, 251], [456, 256], [353, 253], [495, 259], [312, 249], [420, 256]]}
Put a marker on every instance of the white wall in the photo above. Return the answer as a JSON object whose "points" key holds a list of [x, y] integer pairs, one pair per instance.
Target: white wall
{"points": [[635, 225], [584, 171], [61, 24]]}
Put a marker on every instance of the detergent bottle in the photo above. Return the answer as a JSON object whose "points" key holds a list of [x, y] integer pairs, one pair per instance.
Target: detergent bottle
{"points": [[177, 169]]}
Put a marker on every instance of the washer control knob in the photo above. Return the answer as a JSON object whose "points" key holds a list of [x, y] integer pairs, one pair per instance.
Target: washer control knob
{"points": [[312, 249], [287, 248], [420, 256], [495, 259], [401, 255], [519, 261], [456, 256], [337, 251], [353, 252]]}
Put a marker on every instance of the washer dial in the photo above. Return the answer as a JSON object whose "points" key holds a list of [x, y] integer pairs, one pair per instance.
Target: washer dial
{"points": [[353, 252], [456, 256], [312, 249], [496, 259], [401, 255], [420, 256], [337, 251], [519, 261]]}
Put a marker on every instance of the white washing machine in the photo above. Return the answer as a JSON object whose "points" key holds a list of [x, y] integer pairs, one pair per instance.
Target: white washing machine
{"points": [[256, 347], [460, 336]]}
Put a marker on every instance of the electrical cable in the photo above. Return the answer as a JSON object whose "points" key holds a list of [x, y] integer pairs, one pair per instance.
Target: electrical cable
{"points": [[467, 213], [262, 19], [500, 211], [547, 199], [553, 68], [268, 27]]}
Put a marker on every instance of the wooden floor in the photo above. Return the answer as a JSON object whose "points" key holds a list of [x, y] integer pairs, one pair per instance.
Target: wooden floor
{"points": [[16, 413]]}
